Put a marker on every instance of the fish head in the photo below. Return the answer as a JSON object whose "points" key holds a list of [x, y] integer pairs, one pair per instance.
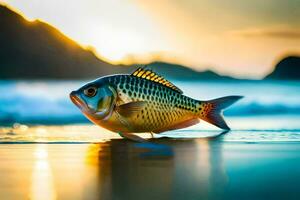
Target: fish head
{"points": [[96, 100]]}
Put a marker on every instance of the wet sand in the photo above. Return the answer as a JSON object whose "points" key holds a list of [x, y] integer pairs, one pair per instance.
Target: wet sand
{"points": [[203, 168]]}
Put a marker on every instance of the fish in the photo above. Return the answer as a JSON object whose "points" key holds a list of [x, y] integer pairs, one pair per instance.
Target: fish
{"points": [[145, 102]]}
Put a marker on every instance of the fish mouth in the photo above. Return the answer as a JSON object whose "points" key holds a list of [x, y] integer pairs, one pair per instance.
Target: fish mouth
{"points": [[80, 103], [76, 100]]}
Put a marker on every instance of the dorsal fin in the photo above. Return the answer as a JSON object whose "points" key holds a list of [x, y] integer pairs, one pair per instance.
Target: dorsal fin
{"points": [[152, 76]]}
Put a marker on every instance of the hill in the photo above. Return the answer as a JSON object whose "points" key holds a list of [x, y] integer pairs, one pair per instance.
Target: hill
{"points": [[37, 50], [181, 72], [286, 69]]}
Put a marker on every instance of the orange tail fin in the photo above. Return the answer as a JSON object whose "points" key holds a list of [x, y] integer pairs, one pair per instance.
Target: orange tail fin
{"points": [[212, 111]]}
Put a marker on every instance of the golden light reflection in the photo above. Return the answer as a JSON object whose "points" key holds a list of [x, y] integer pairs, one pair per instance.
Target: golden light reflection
{"points": [[212, 176], [98, 167], [42, 185], [203, 163], [92, 153], [120, 168], [204, 151]]}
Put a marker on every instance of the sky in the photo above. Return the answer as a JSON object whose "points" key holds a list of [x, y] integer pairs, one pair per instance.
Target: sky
{"points": [[233, 37]]}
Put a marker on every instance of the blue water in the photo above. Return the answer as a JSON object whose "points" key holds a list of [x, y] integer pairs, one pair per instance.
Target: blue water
{"points": [[43, 135], [41, 102]]}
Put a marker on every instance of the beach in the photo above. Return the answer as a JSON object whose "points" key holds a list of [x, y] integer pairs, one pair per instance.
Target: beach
{"points": [[190, 168], [48, 150], [185, 164]]}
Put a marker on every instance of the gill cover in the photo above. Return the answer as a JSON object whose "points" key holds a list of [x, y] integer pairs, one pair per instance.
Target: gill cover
{"points": [[101, 102]]}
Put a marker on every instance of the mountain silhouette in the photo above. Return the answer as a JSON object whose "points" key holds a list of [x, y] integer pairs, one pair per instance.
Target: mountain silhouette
{"points": [[286, 69], [37, 50], [175, 71]]}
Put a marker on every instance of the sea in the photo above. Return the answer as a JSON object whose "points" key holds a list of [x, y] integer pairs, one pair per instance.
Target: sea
{"points": [[49, 150]]}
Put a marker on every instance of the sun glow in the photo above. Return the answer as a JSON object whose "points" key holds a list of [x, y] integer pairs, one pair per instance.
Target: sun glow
{"points": [[193, 33]]}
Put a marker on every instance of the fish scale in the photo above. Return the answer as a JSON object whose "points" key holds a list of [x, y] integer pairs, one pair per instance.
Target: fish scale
{"points": [[164, 105]]}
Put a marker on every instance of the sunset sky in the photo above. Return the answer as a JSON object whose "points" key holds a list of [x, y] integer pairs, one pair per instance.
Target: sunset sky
{"points": [[242, 38]]}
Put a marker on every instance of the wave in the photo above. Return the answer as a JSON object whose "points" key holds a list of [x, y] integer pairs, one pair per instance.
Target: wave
{"points": [[260, 108], [34, 110], [48, 103]]}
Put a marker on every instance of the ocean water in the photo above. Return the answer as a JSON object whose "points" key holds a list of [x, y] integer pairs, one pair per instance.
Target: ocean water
{"points": [[40, 102], [48, 150]]}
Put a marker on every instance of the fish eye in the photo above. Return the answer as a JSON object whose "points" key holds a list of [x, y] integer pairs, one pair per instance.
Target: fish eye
{"points": [[90, 92]]}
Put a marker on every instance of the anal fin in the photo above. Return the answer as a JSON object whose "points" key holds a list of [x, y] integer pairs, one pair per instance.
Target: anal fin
{"points": [[180, 125], [133, 137]]}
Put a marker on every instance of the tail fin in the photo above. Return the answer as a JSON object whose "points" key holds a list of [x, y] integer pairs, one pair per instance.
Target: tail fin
{"points": [[211, 111]]}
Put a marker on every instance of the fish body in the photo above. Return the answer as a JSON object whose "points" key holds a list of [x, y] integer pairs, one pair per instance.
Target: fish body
{"points": [[145, 102]]}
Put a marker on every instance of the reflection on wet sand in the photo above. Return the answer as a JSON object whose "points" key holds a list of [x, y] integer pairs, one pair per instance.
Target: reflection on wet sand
{"points": [[164, 169], [42, 186], [118, 169]]}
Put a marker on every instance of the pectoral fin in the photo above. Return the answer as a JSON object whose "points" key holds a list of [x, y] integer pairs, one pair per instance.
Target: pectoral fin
{"points": [[132, 108], [127, 110], [133, 137]]}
